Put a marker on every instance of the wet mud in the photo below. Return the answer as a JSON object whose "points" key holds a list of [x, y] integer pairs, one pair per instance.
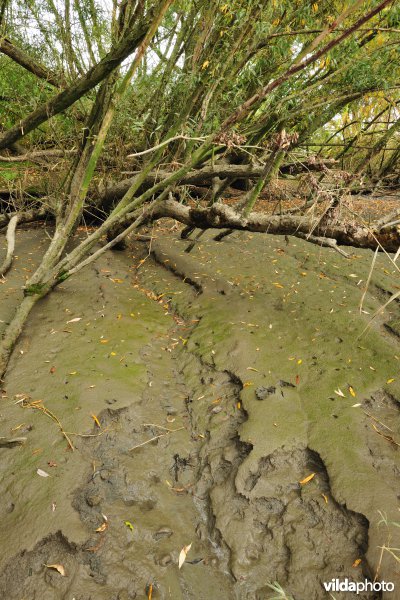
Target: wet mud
{"points": [[223, 398]]}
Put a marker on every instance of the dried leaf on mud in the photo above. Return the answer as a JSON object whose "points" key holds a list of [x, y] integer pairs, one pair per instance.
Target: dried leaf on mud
{"points": [[102, 528], [58, 568], [183, 554], [307, 479], [75, 320], [339, 392], [352, 392], [42, 473], [356, 562]]}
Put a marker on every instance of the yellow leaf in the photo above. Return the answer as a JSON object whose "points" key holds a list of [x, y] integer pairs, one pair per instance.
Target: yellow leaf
{"points": [[129, 525], [390, 380], [315, 7], [307, 479], [247, 384], [73, 372], [58, 568], [278, 285], [356, 562], [205, 65], [239, 405], [113, 354], [352, 392], [102, 528], [325, 497], [95, 419], [299, 361], [103, 341]]}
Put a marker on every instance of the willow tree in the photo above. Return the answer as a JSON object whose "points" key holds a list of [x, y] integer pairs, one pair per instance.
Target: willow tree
{"points": [[193, 82]]}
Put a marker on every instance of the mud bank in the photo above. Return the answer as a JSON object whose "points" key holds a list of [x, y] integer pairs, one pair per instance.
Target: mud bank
{"points": [[204, 388]]}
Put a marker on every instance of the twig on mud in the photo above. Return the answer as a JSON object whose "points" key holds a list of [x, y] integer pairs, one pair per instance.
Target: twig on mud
{"points": [[378, 568], [156, 437], [377, 420], [387, 437], [368, 280], [87, 435], [159, 427], [39, 406]]}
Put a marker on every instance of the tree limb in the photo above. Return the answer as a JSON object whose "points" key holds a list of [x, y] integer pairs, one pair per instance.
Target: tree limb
{"points": [[25, 61]]}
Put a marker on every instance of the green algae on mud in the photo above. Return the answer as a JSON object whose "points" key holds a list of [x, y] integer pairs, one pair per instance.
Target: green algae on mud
{"points": [[251, 313], [292, 316]]}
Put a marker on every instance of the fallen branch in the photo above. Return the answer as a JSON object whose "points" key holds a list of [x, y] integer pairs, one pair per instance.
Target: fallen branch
{"points": [[10, 238], [220, 216], [36, 154], [26, 216], [203, 176]]}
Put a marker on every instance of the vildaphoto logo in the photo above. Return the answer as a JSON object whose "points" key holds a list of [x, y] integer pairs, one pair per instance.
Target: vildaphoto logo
{"points": [[346, 585]]}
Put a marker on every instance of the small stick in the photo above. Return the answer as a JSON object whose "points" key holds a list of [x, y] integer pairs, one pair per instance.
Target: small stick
{"points": [[377, 420], [156, 437]]}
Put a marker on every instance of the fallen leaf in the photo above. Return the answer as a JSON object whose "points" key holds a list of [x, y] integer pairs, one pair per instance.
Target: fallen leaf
{"points": [[307, 479], [356, 562], [128, 525], [52, 370], [356, 405], [253, 369], [150, 592], [390, 380], [103, 341], [74, 320], [352, 392], [42, 473], [58, 568], [95, 419], [102, 528], [183, 554], [325, 497], [339, 393], [299, 361], [297, 379]]}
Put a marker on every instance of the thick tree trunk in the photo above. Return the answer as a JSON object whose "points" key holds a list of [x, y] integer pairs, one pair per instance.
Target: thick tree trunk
{"points": [[220, 216]]}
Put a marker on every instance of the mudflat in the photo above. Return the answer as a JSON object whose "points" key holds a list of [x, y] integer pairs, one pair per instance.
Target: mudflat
{"points": [[227, 398]]}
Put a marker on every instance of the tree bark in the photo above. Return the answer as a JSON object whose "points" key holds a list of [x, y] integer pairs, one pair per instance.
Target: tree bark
{"points": [[220, 216], [10, 238]]}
